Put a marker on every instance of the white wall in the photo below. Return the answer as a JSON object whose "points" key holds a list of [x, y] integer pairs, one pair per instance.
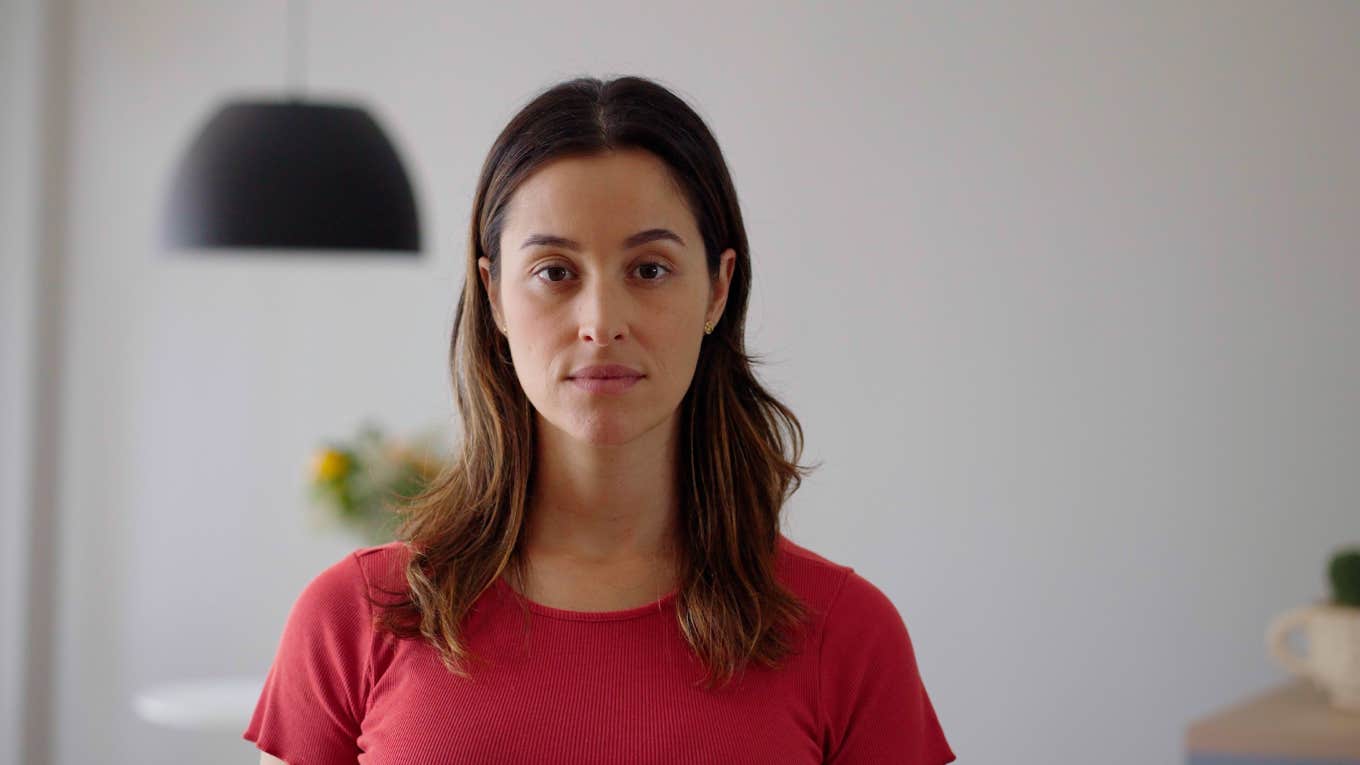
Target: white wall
{"points": [[20, 33], [1064, 296], [33, 87]]}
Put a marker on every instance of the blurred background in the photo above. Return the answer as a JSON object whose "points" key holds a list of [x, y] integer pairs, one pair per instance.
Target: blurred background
{"points": [[1065, 296]]}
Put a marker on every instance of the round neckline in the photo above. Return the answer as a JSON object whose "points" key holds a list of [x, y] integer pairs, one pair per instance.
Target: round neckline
{"points": [[655, 607]]}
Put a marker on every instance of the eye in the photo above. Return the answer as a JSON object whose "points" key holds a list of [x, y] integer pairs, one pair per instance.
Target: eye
{"points": [[653, 266], [651, 270], [550, 269]]}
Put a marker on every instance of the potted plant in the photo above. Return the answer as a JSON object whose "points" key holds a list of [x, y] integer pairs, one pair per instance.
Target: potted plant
{"points": [[1332, 626]]}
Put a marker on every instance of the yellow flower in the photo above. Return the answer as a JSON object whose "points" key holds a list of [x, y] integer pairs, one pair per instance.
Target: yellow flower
{"points": [[329, 464]]}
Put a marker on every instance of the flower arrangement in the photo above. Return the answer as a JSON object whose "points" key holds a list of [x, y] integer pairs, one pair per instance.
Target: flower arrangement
{"points": [[357, 483]]}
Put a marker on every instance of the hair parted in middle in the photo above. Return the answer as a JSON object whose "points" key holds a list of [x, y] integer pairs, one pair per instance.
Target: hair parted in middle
{"points": [[739, 446]]}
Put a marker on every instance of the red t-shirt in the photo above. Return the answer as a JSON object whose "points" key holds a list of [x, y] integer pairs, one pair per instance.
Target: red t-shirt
{"points": [[591, 687]]}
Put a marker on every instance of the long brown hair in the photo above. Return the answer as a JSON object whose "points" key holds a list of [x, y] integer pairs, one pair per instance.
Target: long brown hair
{"points": [[739, 446]]}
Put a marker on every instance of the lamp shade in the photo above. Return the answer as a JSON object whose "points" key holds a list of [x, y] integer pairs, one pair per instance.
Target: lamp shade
{"points": [[292, 174]]}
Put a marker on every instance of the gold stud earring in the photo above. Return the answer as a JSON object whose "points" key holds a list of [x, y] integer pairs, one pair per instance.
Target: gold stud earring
{"points": [[708, 328]]}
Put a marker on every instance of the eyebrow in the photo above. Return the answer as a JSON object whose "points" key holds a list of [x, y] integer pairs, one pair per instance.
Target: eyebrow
{"points": [[636, 240]]}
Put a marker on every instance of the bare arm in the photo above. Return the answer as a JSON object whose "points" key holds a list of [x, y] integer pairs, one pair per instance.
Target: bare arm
{"points": [[268, 759]]}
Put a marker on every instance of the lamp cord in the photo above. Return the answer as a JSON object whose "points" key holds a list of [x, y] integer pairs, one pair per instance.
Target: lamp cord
{"points": [[296, 53]]}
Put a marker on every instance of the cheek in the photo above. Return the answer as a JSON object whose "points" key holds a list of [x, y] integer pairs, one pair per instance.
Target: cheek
{"points": [[676, 345]]}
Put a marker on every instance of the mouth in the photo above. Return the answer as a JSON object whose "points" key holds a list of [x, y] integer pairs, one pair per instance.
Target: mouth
{"points": [[605, 384]]}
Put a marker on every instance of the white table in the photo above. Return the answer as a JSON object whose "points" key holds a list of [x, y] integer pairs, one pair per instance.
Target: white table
{"points": [[212, 704]]}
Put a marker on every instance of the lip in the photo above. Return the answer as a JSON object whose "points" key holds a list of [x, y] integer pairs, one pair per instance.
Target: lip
{"points": [[607, 371], [604, 384]]}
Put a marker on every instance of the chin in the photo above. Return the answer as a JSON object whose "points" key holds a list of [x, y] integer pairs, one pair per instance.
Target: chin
{"points": [[606, 431], [602, 427]]}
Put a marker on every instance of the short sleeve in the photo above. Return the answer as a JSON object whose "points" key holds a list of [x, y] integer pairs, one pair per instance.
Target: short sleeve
{"points": [[876, 709], [313, 698]]}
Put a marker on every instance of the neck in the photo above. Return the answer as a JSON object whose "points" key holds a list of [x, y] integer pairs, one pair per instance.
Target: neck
{"points": [[604, 504]]}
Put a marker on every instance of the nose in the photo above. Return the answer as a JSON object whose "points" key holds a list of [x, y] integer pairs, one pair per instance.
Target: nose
{"points": [[603, 316]]}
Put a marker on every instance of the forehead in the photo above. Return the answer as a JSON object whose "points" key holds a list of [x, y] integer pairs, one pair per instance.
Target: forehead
{"points": [[597, 199]]}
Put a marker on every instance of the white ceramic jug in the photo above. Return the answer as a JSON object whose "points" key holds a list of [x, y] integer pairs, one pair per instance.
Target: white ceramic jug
{"points": [[1333, 657]]}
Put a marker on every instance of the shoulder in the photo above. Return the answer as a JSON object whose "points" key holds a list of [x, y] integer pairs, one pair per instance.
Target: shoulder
{"points": [[383, 567], [871, 698], [836, 591], [814, 578], [343, 591]]}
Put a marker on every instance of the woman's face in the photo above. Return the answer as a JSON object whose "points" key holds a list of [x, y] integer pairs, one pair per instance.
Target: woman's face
{"points": [[602, 263]]}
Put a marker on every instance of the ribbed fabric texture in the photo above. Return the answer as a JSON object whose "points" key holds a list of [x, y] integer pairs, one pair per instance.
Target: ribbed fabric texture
{"points": [[578, 687]]}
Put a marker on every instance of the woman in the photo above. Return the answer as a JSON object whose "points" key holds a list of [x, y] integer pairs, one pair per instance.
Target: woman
{"points": [[601, 576]]}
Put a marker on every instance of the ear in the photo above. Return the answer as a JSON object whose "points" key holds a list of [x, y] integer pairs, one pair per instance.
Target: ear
{"points": [[492, 293], [719, 285]]}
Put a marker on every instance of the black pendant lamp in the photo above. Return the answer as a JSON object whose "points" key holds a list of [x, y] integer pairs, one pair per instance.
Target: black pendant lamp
{"points": [[292, 174]]}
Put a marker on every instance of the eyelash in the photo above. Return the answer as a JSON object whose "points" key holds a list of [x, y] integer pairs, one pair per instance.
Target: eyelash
{"points": [[657, 280]]}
